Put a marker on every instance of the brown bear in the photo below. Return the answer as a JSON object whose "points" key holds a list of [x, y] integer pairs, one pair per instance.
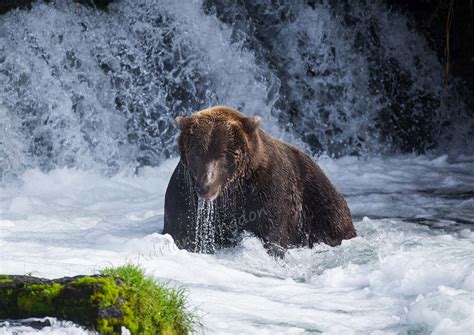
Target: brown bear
{"points": [[234, 177]]}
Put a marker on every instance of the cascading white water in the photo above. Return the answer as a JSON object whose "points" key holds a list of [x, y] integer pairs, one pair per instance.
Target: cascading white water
{"points": [[90, 89], [355, 76], [99, 90]]}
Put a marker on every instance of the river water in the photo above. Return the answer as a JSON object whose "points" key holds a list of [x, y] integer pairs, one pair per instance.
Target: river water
{"points": [[410, 270], [87, 146]]}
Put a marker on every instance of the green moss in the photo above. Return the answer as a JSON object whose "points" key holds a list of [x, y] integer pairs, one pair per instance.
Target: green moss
{"points": [[5, 279], [7, 302], [157, 308], [36, 300], [107, 291], [117, 297]]}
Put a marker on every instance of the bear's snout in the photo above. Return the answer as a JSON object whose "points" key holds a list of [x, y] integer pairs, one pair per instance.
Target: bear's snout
{"points": [[207, 186], [207, 192], [202, 190]]}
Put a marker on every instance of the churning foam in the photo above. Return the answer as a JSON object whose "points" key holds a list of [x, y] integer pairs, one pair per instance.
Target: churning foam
{"points": [[409, 270]]}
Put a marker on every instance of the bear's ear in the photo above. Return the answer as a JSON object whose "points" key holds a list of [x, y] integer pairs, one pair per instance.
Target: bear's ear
{"points": [[251, 123], [183, 122]]}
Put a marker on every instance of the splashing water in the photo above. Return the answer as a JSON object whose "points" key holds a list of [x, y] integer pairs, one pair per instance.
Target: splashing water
{"points": [[410, 270], [49, 326], [205, 227], [354, 76], [89, 89]]}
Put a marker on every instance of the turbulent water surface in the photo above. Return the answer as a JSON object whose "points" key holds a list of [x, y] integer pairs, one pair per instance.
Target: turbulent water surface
{"points": [[410, 268], [87, 146]]}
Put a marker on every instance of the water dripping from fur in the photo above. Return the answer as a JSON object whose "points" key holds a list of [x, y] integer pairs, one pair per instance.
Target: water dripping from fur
{"points": [[205, 227]]}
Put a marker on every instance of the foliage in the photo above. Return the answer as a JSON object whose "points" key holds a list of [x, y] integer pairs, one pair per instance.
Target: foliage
{"points": [[118, 297], [157, 305]]}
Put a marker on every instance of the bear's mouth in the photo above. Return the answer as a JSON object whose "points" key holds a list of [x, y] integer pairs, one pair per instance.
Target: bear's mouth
{"points": [[209, 196]]}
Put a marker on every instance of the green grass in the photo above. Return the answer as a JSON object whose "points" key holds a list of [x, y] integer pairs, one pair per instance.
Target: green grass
{"points": [[157, 306]]}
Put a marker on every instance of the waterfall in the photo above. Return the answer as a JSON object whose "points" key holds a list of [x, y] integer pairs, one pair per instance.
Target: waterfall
{"points": [[92, 89]]}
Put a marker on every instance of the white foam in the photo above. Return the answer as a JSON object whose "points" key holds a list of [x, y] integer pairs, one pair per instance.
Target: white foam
{"points": [[396, 276], [443, 311], [52, 327]]}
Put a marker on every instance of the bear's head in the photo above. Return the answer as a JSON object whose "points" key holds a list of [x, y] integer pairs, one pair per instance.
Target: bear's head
{"points": [[217, 145]]}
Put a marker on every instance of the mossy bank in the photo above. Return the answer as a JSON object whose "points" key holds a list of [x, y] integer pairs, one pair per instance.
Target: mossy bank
{"points": [[115, 298]]}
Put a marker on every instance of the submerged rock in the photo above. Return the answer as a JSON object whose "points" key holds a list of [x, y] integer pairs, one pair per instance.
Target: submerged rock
{"points": [[119, 297]]}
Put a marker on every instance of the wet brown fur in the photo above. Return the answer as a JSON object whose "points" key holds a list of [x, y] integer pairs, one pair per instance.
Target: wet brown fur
{"points": [[298, 204]]}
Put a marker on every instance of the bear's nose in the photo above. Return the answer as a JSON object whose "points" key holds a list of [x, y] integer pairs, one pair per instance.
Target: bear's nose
{"points": [[202, 189]]}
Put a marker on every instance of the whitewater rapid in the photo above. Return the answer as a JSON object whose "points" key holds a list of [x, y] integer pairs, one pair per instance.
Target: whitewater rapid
{"points": [[410, 270]]}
